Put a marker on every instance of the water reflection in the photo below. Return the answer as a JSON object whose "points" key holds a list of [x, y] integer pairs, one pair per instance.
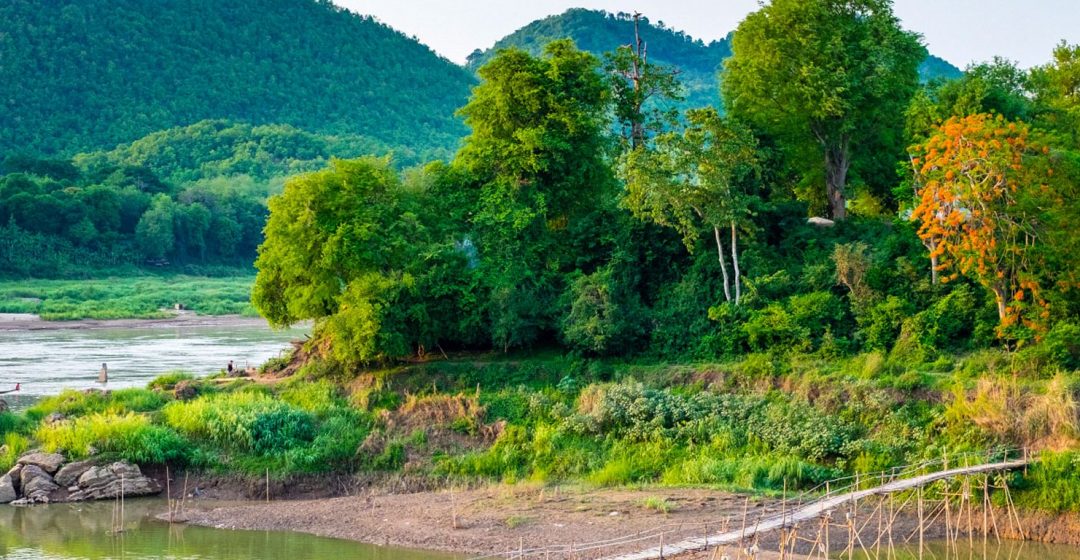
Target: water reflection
{"points": [[84, 531], [976, 549]]}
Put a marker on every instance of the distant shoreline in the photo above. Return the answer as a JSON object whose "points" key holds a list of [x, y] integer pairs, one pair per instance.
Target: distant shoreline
{"points": [[26, 322]]}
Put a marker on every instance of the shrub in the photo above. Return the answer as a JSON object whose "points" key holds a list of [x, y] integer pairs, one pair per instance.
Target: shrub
{"points": [[241, 420], [168, 381], [319, 397], [603, 315]]}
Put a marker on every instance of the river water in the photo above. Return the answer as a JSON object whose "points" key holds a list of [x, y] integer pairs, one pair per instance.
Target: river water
{"points": [[85, 532], [46, 361]]}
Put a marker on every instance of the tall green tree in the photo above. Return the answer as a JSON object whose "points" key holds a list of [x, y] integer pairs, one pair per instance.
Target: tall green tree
{"points": [[828, 77], [537, 166], [699, 179]]}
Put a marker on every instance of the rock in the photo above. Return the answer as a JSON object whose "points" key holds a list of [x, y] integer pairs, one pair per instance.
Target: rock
{"points": [[108, 481], [820, 222], [16, 477], [37, 484], [8, 493], [69, 474], [48, 462], [185, 390], [54, 418]]}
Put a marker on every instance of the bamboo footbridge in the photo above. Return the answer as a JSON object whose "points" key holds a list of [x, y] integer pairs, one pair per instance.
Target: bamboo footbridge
{"points": [[804, 522]]}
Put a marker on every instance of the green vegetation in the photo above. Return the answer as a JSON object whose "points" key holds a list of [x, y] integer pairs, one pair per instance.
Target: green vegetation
{"points": [[762, 424], [129, 68], [570, 273], [127, 297], [597, 32]]}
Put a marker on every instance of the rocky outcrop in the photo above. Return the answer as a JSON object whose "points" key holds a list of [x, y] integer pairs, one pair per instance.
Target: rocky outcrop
{"points": [[109, 481], [48, 462], [32, 481], [37, 485], [69, 474]]}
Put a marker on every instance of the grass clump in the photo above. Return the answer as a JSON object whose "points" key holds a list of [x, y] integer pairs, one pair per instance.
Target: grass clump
{"points": [[658, 504], [127, 436]]}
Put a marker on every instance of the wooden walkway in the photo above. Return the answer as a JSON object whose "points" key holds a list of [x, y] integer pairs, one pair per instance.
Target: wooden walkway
{"points": [[813, 510]]}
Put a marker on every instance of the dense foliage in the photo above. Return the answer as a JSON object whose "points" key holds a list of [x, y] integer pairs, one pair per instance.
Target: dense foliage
{"points": [[190, 195], [527, 240], [82, 76], [597, 31]]}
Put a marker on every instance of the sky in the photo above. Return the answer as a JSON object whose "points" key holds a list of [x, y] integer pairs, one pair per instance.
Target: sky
{"points": [[960, 31]]}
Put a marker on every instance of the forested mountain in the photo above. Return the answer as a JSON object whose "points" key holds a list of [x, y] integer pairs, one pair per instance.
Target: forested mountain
{"points": [[81, 75], [598, 32]]}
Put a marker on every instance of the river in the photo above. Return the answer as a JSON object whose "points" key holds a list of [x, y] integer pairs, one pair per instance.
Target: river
{"points": [[45, 361], [84, 531]]}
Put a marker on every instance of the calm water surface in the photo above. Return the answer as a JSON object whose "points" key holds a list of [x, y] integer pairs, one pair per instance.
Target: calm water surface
{"points": [[977, 550], [46, 361], [83, 531]]}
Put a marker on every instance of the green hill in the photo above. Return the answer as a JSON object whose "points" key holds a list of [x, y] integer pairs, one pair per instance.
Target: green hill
{"points": [[598, 31], [81, 75]]}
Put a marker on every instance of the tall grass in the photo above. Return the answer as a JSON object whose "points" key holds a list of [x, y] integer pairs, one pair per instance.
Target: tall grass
{"points": [[128, 436]]}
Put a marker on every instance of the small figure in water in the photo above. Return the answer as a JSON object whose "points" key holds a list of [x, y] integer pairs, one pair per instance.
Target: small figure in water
{"points": [[230, 368], [15, 390], [103, 375]]}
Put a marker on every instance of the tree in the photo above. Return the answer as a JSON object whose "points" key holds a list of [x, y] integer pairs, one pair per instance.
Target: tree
{"points": [[327, 229], [832, 74], [1057, 91], [154, 234], [535, 166], [986, 197], [694, 180], [637, 87]]}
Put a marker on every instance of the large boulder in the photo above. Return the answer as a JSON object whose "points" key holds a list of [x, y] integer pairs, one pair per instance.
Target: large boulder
{"points": [[69, 474], [108, 481], [37, 485], [16, 477], [48, 462], [8, 493]]}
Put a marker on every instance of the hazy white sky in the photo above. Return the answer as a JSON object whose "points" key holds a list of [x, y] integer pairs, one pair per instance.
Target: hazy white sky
{"points": [[960, 31]]}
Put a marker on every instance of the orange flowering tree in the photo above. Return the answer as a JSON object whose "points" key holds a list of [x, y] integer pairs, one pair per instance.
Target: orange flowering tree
{"points": [[983, 195]]}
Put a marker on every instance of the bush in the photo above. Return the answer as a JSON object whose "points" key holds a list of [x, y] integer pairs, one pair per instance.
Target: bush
{"points": [[603, 316], [168, 381], [241, 420]]}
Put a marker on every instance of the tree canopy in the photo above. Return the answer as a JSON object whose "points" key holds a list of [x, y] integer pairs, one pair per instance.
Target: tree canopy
{"points": [[831, 79]]}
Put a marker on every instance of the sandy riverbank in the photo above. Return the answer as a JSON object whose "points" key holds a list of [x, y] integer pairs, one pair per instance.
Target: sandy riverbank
{"points": [[27, 322], [496, 518]]}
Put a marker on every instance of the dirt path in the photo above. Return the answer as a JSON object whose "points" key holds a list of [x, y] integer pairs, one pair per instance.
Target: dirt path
{"points": [[494, 519]]}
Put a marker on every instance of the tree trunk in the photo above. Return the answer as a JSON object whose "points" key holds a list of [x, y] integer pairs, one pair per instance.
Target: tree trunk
{"points": [[837, 162], [999, 295], [931, 246], [723, 265], [735, 263]]}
